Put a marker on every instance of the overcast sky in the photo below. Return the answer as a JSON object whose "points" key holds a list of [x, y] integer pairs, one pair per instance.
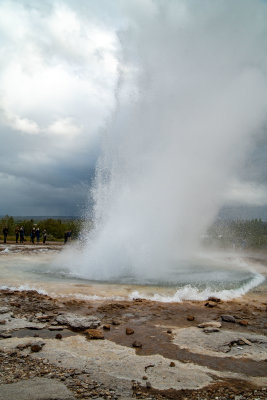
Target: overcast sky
{"points": [[59, 73]]}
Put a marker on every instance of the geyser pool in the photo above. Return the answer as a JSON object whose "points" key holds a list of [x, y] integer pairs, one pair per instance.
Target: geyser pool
{"points": [[224, 275]]}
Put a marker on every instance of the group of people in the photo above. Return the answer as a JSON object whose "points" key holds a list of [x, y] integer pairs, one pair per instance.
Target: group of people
{"points": [[20, 234], [35, 233]]}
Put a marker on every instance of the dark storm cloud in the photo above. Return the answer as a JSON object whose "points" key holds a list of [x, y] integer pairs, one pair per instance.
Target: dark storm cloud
{"points": [[59, 72]]}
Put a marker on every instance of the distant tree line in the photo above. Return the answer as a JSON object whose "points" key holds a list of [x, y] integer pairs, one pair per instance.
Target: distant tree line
{"points": [[238, 233], [55, 227]]}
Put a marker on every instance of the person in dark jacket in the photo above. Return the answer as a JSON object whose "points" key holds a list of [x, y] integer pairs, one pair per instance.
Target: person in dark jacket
{"points": [[32, 235], [17, 234], [21, 234], [37, 235], [44, 236], [5, 232]]}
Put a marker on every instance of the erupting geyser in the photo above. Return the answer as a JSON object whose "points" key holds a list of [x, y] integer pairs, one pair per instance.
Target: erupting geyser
{"points": [[191, 96]]}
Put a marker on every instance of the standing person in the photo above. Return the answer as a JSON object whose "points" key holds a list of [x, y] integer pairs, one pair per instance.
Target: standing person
{"points": [[32, 235], [21, 234], [17, 234], [66, 236], [38, 235], [5, 232], [44, 236]]}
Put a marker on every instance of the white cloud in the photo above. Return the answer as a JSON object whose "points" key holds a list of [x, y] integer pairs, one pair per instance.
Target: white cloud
{"points": [[249, 193], [64, 127]]}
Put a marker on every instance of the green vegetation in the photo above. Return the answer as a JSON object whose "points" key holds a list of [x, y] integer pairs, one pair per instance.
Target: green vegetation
{"points": [[55, 227], [238, 234]]}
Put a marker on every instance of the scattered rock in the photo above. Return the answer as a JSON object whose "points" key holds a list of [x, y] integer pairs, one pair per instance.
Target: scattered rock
{"points": [[94, 334], [36, 347], [58, 336], [22, 346], [211, 304], [78, 322], [137, 344], [5, 335], [149, 366], [215, 299], [243, 322], [106, 327], [190, 318], [4, 310], [243, 341], [56, 328], [129, 331], [172, 364], [210, 324], [228, 318], [148, 385], [211, 330]]}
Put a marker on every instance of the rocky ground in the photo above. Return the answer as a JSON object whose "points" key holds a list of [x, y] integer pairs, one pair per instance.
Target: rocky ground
{"points": [[52, 349]]}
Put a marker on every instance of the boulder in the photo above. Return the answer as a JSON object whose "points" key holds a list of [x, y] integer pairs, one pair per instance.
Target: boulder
{"points": [[77, 321], [210, 324], [94, 334], [228, 318]]}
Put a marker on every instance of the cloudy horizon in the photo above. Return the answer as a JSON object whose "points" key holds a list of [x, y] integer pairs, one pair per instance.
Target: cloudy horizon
{"points": [[61, 65]]}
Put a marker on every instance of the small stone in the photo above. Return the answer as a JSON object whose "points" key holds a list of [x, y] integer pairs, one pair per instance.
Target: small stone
{"points": [[2, 321], [137, 344], [245, 341], [58, 336], [172, 364], [36, 347], [94, 334], [228, 318], [211, 304], [190, 318], [243, 322], [148, 385], [145, 378], [215, 299], [129, 331], [106, 327], [169, 331], [115, 322]]}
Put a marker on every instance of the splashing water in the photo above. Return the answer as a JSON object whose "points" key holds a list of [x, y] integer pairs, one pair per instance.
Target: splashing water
{"points": [[190, 99]]}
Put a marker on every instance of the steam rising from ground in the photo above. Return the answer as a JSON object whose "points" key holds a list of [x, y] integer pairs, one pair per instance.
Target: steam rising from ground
{"points": [[190, 99]]}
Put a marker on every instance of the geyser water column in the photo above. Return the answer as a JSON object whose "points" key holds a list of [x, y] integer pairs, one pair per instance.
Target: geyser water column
{"points": [[191, 97]]}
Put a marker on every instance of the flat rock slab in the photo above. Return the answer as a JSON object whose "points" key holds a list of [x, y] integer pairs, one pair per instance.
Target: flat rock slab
{"points": [[18, 323], [78, 322], [35, 389], [223, 343]]}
